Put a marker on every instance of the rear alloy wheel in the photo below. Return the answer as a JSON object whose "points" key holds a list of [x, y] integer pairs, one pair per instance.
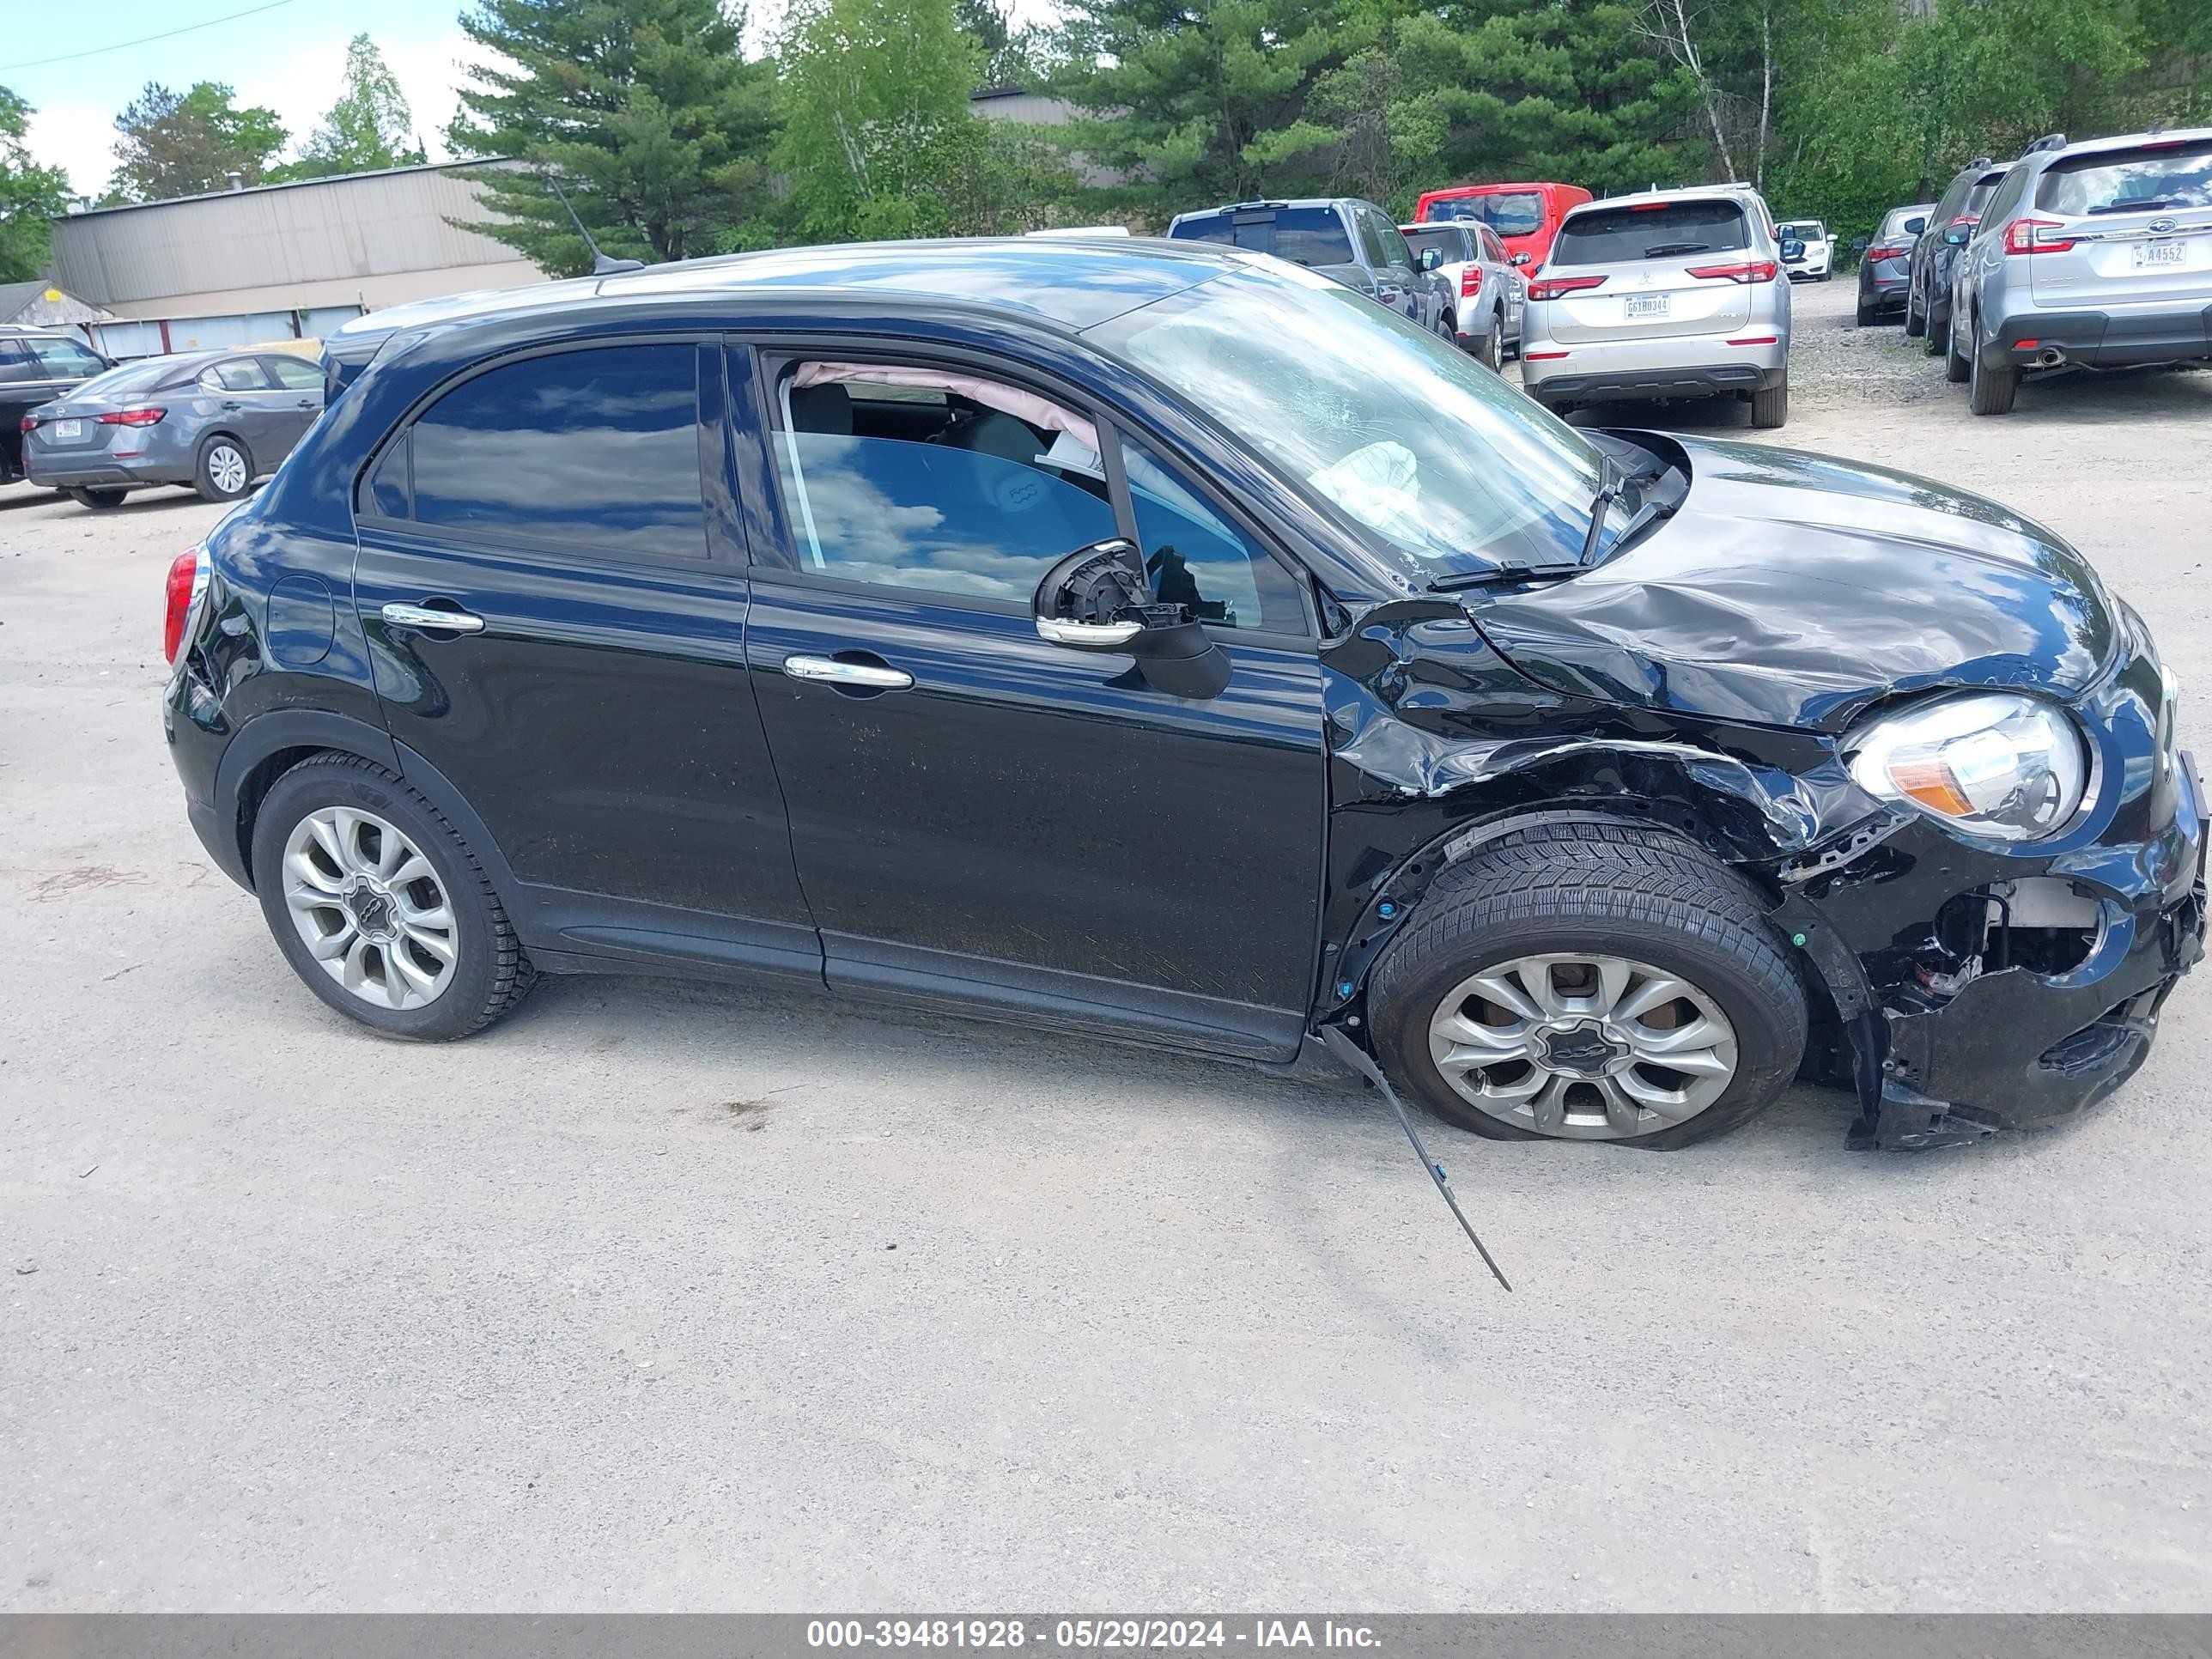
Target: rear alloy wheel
{"points": [[1590, 982], [100, 500], [379, 906], [224, 472], [1989, 391], [1770, 408]]}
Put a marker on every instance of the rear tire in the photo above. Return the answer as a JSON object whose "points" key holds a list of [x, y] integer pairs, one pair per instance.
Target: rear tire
{"points": [[1955, 367], [223, 472], [1939, 333], [1770, 408], [1493, 342], [1989, 391], [1915, 323], [1643, 904], [1866, 313], [441, 935], [100, 500]]}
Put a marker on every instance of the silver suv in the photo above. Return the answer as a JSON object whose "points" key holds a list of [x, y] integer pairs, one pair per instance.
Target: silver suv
{"points": [[2098, 254], [1668, 294]]}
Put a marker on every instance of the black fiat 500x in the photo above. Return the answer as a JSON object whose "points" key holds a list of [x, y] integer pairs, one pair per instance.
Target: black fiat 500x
{"points": [[1160, 641]]}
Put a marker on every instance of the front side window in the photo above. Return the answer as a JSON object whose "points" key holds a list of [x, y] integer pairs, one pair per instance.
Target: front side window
{"points": [[596, 448], [933, 480], [64, 359], [1195, 557], [1433, 459], [295, 373], [1393, 240]]}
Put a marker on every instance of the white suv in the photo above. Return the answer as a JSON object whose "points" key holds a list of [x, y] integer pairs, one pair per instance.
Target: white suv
{"points": [[1668, 294]]}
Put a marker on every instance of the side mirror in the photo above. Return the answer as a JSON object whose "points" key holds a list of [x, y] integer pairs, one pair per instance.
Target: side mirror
{"points": [[1958, 235], [1861, 244], [1792, 251], [1096, 599], [1432, 257], [1914, 227]]}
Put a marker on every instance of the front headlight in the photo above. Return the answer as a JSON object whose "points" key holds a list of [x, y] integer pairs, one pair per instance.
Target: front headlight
{"points": [[1990, 762]]}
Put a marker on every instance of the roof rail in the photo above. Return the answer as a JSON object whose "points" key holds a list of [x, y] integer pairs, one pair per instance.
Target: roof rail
{"points": [[2049, 140]]}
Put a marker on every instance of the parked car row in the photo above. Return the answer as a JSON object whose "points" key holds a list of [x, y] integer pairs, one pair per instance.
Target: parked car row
{"points": [[212, 420], [2094, 255]]}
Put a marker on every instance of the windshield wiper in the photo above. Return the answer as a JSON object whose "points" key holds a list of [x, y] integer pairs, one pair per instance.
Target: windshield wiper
{"points": [[2149, 204], [1666, 249], [1609, 492], [1499, 575]]}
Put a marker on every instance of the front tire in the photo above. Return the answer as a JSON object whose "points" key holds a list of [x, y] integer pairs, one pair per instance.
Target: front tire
{"points": [[1915, 323], [378, 904], [1493, 342], [1955, 367], [223, 472], [1866, 312], [1939, 333], [1590, 982], [97, 500]]}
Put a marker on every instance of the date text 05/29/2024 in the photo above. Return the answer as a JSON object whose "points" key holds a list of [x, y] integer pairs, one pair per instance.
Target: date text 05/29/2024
{"points": [[1110, 1634]]}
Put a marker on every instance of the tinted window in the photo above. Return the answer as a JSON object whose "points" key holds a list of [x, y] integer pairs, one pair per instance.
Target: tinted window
{"points": [[1393, 242], [1446, 239], [64, 359], [948, 494], [1512, 213], [596, 448], [17, 364], [1621, 235], [235, 374], [295, 374], [2151, 179], [1304, 236], [390, 493], [1197, 557]]}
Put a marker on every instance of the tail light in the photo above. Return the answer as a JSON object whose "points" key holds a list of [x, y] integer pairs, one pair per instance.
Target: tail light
{"points": [[1889, 252], [188, 580], [1965, 219], [132, 416], [2026, 236], [1553, 286], [1746, 273], [29, 424], [1470, 282]]}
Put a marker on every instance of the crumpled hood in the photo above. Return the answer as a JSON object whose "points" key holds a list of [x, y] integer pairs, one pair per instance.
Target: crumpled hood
{"points": [[1794, 590]]}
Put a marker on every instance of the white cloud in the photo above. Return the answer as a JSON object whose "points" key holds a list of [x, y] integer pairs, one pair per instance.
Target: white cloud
{"points": [[80, 139]]}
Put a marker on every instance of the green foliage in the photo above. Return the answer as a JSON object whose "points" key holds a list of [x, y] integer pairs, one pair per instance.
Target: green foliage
{"points": [[31, 196], [644, 110], [877, 138], [370, 127], [185, 144]]}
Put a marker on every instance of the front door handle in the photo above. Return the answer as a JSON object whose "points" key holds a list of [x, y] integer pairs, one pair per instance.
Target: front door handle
{"points": [[858, 676], [233, 405], [432, 617]]}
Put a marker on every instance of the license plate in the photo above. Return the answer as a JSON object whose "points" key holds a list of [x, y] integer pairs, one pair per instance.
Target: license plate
{"points": [[1647, 305], [68, 431], [2158, 254]]}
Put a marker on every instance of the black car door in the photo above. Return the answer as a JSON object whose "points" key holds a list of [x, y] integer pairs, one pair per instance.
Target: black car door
{"points": [[978, 814], [589, 696], [23, 387]]}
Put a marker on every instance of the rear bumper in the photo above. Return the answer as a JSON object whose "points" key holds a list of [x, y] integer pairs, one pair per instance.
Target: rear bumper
{"points": [[1885, 284], [2121, 337], [96, 470], [1599, 383]]}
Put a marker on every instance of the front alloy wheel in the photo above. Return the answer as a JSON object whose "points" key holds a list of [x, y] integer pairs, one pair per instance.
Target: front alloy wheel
{"points": [[370, 908], [224, 472], [1582, 1047]]}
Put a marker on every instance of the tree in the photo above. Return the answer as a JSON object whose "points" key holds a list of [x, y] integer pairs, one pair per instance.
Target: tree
{"points": [[1194, 95], [1013, 56], [879, 139], [370, 127], [188, 143], [645, 111], [32, 196]]}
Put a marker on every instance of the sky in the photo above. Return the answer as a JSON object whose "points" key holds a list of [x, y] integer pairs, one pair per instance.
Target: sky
{"points": [[289, 58]]}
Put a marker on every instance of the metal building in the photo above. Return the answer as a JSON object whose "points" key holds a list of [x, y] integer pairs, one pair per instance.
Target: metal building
{"points": [[272, 261]]}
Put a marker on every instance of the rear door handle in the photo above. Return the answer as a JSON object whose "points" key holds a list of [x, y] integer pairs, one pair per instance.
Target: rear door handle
{"points": [[858, 675], [431, 616], [234, 405]]}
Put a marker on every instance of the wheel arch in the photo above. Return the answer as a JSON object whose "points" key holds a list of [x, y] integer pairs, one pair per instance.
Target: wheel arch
{"points": [[268, 746], [200, 448]]}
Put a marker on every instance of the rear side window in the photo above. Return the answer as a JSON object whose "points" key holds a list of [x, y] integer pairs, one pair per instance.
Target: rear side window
{"points": [[1304, 236], [237, 374], [17, 364], [64, 359], [594, 449], [2152, 179], [1612, 236]]}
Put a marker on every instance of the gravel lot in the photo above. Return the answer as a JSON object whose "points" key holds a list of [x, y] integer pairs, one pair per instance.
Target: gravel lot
{"points": [[602, 1309]]}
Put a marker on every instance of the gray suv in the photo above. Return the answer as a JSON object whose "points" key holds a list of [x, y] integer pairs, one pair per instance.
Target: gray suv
{"points": [[2095, 254], [1341, 237]]}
